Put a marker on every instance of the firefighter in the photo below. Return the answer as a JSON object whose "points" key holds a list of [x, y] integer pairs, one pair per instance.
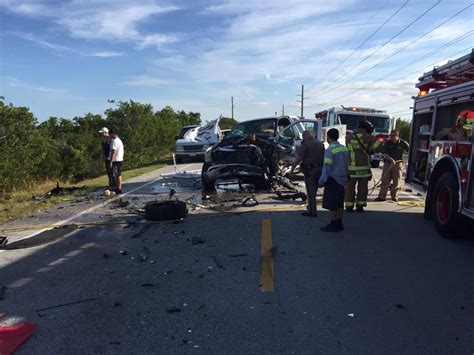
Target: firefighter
{"points": [[392, 168], [311, 156], [361, 144]]}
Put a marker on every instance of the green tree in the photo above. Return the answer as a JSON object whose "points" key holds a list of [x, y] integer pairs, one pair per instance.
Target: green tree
{"points": [[227, 123], [403, 126]]}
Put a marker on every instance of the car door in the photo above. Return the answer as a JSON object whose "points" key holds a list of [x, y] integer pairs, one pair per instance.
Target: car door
{"points": [[290, 138]]}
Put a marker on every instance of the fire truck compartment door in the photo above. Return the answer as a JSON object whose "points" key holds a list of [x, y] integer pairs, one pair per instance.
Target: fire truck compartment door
{"points": [[470, 187]]}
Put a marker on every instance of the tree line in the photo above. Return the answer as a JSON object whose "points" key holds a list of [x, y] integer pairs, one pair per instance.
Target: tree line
{"points": [[70, 150]]}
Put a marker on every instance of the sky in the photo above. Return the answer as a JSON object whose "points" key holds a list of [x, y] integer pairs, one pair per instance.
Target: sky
{"points": [[68, 58]]}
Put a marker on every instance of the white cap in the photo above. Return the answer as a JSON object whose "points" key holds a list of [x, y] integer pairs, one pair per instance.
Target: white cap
{"points": [[104, 130]]}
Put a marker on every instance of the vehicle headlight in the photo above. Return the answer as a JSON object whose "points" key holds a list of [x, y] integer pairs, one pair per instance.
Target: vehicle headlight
{"points": [[179, 148]]}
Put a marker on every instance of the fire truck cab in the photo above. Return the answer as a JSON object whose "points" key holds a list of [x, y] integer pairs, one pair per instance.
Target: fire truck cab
{"points": [[350, 117], [442, 145]]}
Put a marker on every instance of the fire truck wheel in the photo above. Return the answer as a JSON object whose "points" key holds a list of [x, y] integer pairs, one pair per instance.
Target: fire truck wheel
{"points": [[445, 206], [375, 163]]}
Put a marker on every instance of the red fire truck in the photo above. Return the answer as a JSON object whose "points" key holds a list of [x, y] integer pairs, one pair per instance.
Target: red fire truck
{"points": [[441, 157]]}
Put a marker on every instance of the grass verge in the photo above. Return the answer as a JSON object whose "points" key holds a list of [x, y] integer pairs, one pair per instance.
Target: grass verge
{"points": [[21, 203]]}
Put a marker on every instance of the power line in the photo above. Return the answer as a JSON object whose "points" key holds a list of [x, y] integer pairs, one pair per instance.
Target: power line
{"points": [[406, 46], [391, 82], [383, 45], [364, 42], [456, 40]]}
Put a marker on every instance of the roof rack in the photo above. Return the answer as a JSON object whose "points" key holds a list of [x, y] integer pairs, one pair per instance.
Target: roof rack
{"points": [[455, 72]]}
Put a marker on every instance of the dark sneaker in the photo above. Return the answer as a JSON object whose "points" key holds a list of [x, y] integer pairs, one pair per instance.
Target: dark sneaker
{"points": [[395, 199], [307, 214], [350, 209], [360, 208], [331, 227], [339, 226], [118, 192], [379, 199]]}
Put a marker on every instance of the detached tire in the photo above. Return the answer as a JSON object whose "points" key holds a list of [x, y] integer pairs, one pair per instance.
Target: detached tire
{"points": [[375, 163], [165, 210], [446, 205]]}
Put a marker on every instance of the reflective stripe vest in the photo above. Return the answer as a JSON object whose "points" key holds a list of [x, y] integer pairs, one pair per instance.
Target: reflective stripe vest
{"points": [[359, 160]]}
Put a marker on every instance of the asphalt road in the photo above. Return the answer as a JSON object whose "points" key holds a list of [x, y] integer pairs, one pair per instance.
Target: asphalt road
{"points": [[387, 284]]}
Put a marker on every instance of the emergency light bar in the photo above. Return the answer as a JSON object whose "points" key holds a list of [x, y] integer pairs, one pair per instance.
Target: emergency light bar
{"points": [[362, 109]]}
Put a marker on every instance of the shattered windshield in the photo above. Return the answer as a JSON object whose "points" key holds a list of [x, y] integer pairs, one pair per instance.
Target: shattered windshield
{"points": [[381, 123], [267, 125]]}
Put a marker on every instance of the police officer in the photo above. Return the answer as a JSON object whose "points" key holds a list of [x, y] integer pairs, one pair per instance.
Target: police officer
{"points": [[361, 143], [310, 156], [392, 168]]}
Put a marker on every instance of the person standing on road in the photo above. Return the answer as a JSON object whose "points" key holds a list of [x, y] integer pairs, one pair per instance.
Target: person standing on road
{"points": [[361, 143], [393, 163], [106, 141], [116, 160], [310, 156], [334, 177]]}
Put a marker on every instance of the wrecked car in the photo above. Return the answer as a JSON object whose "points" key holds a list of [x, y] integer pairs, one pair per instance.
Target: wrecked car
{"points": [[255, 151], [193, 141]]}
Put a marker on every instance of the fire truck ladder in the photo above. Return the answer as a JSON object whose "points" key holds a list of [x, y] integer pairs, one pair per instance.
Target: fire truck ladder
{"points": [[454, 72]]}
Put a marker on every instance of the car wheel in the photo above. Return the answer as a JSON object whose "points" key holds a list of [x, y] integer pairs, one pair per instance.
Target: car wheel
{"points": [[165, 210], [209, 184], [375, 163], [445, 206]]}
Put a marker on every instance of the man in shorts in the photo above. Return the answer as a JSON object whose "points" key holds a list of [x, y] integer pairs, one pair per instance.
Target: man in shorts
{"points": [[334, 178], [116, 159]]}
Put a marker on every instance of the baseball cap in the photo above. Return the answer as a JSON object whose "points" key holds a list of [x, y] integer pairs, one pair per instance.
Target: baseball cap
{"points": [[104, 130]]}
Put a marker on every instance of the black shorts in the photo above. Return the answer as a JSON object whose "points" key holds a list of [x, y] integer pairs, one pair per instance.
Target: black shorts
{"points": [[333, 196], [116, 168]]}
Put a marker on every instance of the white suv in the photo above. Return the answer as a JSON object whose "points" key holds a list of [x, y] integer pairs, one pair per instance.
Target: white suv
{"points": [[193, 141]]}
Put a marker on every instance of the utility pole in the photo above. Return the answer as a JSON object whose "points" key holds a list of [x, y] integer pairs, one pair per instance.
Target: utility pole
{"points": [[302, 100], [232, 106], [283, 110]]}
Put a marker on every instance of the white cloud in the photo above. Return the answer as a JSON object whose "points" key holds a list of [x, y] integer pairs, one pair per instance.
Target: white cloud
{"points": [[146, 81], [97, 20], [106, 54], [156, 40], [14, 82]]}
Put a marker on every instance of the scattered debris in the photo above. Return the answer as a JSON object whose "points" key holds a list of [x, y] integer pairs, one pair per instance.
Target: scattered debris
{"points": [[400, 306], [236, 255], [197, 240], [293, 196], [58, 191], [142, 231], [105, 255], [144, 254], [123, 252], [250, 201], [66, 304], [117, 304], [114, 343], [218, 262], [173, 310], [3, 241], [148, 285], [351, 315]]}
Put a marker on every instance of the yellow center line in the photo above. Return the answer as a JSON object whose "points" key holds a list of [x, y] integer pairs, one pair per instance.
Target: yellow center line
{"points": [[266, 270]]}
